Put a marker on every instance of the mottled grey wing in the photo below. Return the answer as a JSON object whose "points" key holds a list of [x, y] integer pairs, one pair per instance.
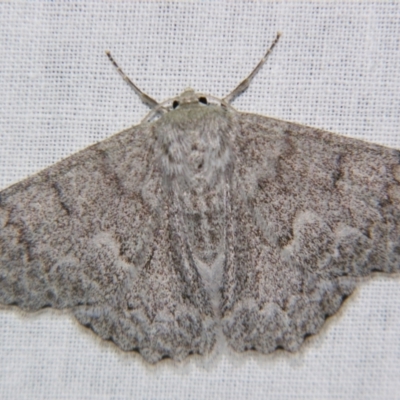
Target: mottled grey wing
{"points": [[89, 234], [312, 213]]}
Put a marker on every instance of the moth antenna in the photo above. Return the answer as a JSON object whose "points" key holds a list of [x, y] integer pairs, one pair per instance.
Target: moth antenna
{"points": [[246, 82], [146, 99]]}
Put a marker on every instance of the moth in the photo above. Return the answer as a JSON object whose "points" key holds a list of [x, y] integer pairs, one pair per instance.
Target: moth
{"points": [[200, 226]]}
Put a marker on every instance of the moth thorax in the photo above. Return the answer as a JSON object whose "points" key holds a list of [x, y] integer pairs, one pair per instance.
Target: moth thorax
{"points": [[195, 147], [193, 162]]}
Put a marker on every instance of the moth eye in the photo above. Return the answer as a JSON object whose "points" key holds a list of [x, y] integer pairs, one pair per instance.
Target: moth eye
{"points": [[175, 104], [203, 100]]}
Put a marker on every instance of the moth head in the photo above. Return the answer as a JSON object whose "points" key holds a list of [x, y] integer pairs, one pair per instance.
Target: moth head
{"points": [[191, 98], [188, 97]]}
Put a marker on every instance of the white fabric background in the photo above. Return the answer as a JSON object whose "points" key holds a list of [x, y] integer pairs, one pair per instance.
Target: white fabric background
{"points": [[337, 67]]}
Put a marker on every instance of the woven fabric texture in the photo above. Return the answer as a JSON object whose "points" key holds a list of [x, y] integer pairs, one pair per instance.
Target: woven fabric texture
{"points": [[336, 67]]}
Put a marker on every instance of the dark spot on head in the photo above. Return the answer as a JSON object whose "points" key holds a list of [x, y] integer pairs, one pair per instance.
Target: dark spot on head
{"points": [[307, 335], [175, 104], [203, 100]]}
